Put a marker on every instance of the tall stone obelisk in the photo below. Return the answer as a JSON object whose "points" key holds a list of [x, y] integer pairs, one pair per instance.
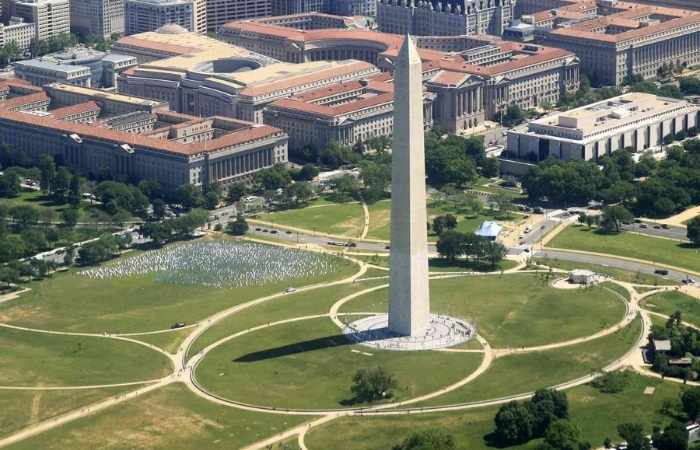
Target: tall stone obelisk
{"points": [[409, 301]]}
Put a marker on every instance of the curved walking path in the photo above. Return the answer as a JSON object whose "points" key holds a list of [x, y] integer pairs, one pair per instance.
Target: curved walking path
{"points": [[77, 388], [365, 227], [170, 356], [184, 368]]}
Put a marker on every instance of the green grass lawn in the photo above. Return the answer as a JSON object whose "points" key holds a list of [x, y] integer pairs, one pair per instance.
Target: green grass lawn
{"points": [[69, 302], [170, 418], [514, 310], [617, 288], [346, 219], [299, 304], [669, 302], [597, 414], [309, 365], [442, 265], [167, 341], [521, 373], [24, 408], [380, 228], [38, 359], [662, 251], [39, 200], [618, 274]]}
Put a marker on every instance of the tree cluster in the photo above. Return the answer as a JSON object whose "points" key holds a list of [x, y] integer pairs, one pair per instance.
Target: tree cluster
{"points": [[684, 341], [453, 244], [103, 249], [452, 159], [586, 95], [177, 228], [649, 188], [519, 422]]}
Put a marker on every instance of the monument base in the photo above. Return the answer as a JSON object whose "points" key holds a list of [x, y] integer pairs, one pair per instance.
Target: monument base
{"points": [[442, 332]]}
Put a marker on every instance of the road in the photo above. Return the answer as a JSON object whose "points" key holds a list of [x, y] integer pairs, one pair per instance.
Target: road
{"points": [[609, 261], [672, 232]]}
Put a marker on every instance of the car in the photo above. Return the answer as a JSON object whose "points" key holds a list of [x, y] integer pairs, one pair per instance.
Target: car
{"points": [[643, 225], [257, 229], [662, 272], [665, 227], [288, 232], [688, 281], [177, 325], [657, 227], [264, 230], [387, 247], [350, 244], [289, 290], [273, 231], [538, 210]]}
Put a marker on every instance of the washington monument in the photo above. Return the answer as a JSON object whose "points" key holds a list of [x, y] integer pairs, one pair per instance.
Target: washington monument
{"points": [[409, 301]]}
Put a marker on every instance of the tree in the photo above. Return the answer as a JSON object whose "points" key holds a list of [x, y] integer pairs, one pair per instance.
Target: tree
{"points": [[47, 166], [235, 192], [275, 177], [74, 193], [694, 231], [211, 200], [9, 184], [490, 167], [238, 227], [450, 222], [690, 399], [450, 245], [189, 196], [307, 173], [439, 225], [24, 216], [158, 232], [547, 406], [336, 155], [158, 208], [61, 184], [376, 178], [12, 247], [151, 188], [69, 256], [432, 439], [298, 194], [345, 188], [34, 240], [614, 217], [633, 433], [105, 248], [514, 424], [562, 435], [70, 216], [514, 116], [494, 252], [674, 437], [370, 385]]}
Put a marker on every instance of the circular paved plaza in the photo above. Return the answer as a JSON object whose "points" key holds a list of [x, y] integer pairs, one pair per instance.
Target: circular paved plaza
{"points": [[443, 332]]}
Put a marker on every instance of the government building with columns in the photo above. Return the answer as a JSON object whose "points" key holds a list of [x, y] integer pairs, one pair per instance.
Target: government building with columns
{"points": [[630, 39]]}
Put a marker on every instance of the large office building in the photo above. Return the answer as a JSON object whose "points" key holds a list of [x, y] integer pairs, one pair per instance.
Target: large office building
{"points": [[49, 17], [444, 17], [288, 7], [101, 18], [475, 77], [165, 42], [80, 66], [17, 31], [346, 113], [94, 131], [149, 15], [636, 121], [218, 12], [626, 39]]}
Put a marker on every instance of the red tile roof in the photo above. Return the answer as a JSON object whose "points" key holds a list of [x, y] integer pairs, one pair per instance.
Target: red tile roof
{"points": [[67, 111]]}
